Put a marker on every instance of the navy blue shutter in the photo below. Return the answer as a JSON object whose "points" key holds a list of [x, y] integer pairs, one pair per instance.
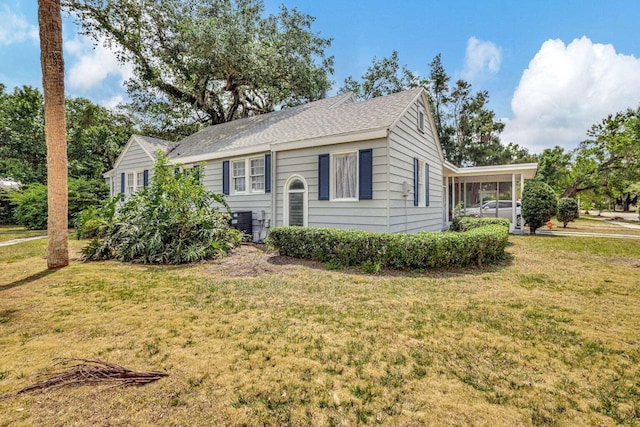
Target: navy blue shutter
{"points": [[122, 186], [365, 173], [426, 184], [197, 173], [225, 177], [323, 177], [416, 176], [145, 178], [267, 173]]}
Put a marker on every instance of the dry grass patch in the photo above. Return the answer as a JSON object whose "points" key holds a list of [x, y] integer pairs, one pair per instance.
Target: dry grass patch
{"points": [[10, 232], [592, 225], [548, 338]]}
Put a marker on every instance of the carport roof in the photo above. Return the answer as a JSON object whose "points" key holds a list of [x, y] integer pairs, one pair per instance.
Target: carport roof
{"points": [[528, 170]]}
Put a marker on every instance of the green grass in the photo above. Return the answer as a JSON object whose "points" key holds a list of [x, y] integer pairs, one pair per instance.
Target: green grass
{"points": [[10, 232], [550, 337]]}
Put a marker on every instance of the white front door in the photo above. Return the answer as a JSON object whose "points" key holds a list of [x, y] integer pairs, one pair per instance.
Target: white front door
{"points": [[296, 201]]}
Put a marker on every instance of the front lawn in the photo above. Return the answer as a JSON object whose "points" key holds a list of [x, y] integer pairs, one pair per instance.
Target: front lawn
{"points": [[10, 232], [547, 338]]}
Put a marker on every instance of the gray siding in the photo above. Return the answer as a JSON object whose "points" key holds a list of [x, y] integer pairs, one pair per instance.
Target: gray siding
{"points": [[368, 215], [405, 144], [134, 160], [254, 202]]}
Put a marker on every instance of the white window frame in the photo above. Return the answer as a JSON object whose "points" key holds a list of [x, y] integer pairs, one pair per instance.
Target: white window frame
{"points": [[251, 175], [305, 208], [421, 119], [137, 184], [248, 183], [333, 181], [421, 182]]}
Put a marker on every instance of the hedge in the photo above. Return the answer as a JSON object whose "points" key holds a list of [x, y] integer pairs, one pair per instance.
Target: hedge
{"points": [[481, 245], [466, 223]]}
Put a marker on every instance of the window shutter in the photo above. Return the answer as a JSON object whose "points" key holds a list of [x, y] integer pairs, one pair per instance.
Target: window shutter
{"points": [[122, 186], [267, 173], [365, 174], [145, 178], [323, 177], [426, 184], [416, 176], [197, 173], [225, 177]]}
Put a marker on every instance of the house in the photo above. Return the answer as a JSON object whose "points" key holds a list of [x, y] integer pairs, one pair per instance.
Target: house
{"points": [[373, 165]]}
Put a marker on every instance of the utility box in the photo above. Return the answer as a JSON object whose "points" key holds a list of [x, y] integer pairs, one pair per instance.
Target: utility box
{"points": [[243, 221]]}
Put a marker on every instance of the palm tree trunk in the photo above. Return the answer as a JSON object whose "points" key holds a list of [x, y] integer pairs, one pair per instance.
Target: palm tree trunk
{"points": [[52, 62]]}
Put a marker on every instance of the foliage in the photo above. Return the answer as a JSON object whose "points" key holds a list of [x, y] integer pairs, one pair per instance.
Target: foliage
{"points": [[383, 77], [466, 223], [539, 204], [554, 168], [388, 250], [95, 220], [31, 203], [6, 206], [23, 154], [211, 61], [609, 159], [567, 210], [95, 136], [173, 221]]}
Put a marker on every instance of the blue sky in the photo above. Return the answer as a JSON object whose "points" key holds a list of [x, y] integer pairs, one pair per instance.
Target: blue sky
{"points": [[552, 68]]}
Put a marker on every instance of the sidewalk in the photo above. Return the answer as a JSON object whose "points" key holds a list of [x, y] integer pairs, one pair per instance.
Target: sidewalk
{"points": [[541, 232], [25, 239]]}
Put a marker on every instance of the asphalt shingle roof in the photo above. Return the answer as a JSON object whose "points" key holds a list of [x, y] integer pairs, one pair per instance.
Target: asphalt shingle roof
{"points": [[152, 144], [328, 117]]}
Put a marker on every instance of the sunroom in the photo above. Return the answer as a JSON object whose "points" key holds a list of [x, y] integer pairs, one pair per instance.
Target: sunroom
{"points": [[486, 191]]}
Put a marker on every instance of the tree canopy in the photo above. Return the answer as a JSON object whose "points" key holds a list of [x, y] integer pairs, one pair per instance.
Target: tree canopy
{"points": [[210, 61], [95, 136]]}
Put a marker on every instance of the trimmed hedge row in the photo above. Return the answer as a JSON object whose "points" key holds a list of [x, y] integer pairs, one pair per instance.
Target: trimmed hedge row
{"points": [[482, 245], [466, 223]]}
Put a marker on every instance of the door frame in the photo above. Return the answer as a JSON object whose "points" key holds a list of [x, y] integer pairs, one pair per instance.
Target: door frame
{"points": [[305, 207]]}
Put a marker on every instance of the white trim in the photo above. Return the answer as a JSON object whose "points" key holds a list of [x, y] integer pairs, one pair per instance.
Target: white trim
{"points": [[274, 147], [527, 169], [248, 188], [332, 177], [305, 207]]}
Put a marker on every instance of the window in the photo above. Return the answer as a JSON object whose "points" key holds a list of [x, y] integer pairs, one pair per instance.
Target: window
{"points": [[345, 173], [239, 179], [257, 174], [421, 193], [420, 120], [131, 185], [139, 180]]}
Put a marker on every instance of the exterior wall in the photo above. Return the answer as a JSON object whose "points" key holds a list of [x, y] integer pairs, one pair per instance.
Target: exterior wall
{"points": [[370, 215], [406, 142], [134, 160], [254, 202]]}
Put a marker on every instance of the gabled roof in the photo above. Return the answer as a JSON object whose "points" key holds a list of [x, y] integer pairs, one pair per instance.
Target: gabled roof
{"points": [[148, 144], [330, 117]]}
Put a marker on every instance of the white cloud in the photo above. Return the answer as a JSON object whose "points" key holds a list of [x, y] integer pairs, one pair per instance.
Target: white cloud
{"points": [[481, 57], [566, 89], [113, 101], [93, 65], [14, 28]]}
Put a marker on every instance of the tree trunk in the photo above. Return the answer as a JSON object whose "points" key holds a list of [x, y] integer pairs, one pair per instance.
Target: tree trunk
{"points": [[52, 62]]}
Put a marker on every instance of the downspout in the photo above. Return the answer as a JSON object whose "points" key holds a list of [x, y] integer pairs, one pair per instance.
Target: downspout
{"points": [[388, 181]]}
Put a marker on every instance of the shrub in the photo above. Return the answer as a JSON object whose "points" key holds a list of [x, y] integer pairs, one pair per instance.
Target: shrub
{"points": [[387, 250], [94, 221], [6, 206], [173, 221], [539, 204], [567, 210], [466, 223], [31, 203]]}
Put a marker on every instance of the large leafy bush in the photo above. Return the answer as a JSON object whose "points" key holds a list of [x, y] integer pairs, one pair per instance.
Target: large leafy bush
{"points": [[539, 204], [30, 204], [466, 223], [567, 210], [173, 221], [393, 250]]}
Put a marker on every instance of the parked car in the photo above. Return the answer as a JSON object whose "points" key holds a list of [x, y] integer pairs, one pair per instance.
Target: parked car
{"points": [[488, 209]]}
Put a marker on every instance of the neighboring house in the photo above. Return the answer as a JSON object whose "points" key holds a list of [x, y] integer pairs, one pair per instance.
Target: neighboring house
{"points": [[374, 165], [9, 184]]}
